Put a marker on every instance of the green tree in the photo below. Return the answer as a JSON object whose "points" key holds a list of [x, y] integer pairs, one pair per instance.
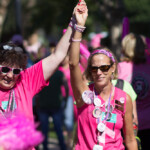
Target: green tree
{"points": [[139, 15], [54, 16]]}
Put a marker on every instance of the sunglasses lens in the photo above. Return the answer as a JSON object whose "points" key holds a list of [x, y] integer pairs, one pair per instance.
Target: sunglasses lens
{"points": [[16, 71], [94, 69], [104, 68], [5, 69]]}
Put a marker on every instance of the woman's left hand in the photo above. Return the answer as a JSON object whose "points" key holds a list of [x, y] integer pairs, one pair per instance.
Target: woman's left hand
{"points": [[81, 13]]}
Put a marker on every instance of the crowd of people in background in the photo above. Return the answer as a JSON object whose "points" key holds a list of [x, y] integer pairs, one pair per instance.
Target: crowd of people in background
{"points": [[62, 93]]}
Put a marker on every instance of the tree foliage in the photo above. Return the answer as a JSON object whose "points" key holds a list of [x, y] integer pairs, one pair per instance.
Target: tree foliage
{"points": [[138, 10], [54, 16]]}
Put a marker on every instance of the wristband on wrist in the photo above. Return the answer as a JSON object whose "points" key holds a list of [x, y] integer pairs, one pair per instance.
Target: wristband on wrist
{"points": [[72, 22], [76, 40], [79, 28]]}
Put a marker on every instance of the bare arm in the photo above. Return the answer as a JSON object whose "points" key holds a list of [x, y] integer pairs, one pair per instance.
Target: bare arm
{"points": [[130, 140], [51, 62], [135, 118], [77, 82]]}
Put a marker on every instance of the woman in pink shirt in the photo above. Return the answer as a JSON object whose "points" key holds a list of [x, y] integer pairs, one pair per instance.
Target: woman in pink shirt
{"points": [[18, 85], [135, 69], [103, 110]]}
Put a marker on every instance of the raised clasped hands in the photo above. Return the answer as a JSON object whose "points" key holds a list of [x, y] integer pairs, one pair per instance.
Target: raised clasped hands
{"points": [[81, 13]]}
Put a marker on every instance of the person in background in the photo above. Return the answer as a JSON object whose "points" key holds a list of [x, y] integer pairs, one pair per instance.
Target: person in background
{"points": [[103, 110], [68, 111], [46, 107], [33, 45], [49, 104], [134, 68], [18, 40]]}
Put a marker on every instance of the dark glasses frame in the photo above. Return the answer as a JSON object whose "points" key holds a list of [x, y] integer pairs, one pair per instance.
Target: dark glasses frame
{"points": [[103, 68], [5, 70]]}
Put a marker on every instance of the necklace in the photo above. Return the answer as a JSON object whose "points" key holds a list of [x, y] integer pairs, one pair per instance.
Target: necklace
{"points": [[108, 106], [101, 122], [11, 104]]}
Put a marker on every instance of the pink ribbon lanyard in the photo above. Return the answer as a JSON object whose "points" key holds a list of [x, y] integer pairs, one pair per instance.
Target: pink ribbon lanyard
{"points": [[109, 101], [106, 117]]}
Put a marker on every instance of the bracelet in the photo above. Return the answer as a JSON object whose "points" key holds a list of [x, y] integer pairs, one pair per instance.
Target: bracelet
{"points": [[72, 22], [79, 28], [76, 40]]}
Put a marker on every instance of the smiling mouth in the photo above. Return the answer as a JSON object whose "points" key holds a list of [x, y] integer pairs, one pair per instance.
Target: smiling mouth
{"points": [[100, 78], [7, 81]]}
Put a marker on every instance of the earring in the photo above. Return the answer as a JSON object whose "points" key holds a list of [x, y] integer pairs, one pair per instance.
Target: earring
{"points": [[112, 76]]}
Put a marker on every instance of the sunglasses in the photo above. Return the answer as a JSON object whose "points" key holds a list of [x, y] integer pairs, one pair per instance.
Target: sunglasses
{"points": [[9, 47], [103, 68], [5, 70]]}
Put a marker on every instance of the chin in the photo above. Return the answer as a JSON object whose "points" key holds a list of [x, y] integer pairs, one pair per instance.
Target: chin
{"points": [[100, 83], [6, 87]]}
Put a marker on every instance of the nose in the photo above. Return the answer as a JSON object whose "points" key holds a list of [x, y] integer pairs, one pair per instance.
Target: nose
{"points": [[10, 74], [99, 71]]}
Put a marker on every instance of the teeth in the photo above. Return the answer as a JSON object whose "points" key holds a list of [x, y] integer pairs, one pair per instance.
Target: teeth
{"points": [[7, 81]]}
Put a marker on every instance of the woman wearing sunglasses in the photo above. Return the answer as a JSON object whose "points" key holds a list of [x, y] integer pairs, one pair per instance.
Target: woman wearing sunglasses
{"points": [[18, 85], [102, 130]]}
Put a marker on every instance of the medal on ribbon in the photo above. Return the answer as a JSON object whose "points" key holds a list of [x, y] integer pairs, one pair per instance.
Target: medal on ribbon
{"points": [[88, 97]]}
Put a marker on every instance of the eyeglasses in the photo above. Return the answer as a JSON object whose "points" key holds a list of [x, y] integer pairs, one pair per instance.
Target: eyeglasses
{"points": [[103, 68], [11, 47], [5, 70]]}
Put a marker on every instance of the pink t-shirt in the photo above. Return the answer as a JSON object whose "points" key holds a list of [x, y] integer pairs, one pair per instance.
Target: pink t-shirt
{"points": [[139, 76], [87, 126], [30, 83], [125, 70], [67, 75], [66, 72]]}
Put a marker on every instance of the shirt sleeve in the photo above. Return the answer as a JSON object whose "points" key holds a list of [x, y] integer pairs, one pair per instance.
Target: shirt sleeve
{"points": [[34, 78]]}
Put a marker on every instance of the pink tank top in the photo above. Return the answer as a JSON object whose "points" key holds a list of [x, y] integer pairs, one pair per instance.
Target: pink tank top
{"points": [[87, 125]]}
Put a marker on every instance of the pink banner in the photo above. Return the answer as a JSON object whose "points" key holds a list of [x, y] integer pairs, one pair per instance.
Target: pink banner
{"points": [[125, 27]]}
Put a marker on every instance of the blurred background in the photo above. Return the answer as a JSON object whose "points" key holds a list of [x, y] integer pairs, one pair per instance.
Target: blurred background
{"points": [[48, 18], [37, 25]]}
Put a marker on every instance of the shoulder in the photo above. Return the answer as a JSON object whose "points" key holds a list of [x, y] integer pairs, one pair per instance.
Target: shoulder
{"points": [[120, 98], [114, 82], [125, 63], [127, 86], [128, 103], [120, 95], [119, 92]]}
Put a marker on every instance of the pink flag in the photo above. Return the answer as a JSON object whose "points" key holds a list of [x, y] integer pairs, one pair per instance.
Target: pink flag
{"points": [[125, 27]]}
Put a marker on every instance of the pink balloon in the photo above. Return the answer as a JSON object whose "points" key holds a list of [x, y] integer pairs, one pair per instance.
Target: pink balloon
{"points": [[96, 40]]}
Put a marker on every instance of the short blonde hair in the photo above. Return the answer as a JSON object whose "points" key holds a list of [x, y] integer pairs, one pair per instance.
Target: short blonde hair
{"points": [[133, 48]]}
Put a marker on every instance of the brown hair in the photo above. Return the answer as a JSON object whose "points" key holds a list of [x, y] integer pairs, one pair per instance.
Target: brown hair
{"points": [[10, 54], [87, 72]]}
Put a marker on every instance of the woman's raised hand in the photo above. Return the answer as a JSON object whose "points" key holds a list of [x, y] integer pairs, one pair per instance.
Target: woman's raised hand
{"points": [[81, 13]]}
